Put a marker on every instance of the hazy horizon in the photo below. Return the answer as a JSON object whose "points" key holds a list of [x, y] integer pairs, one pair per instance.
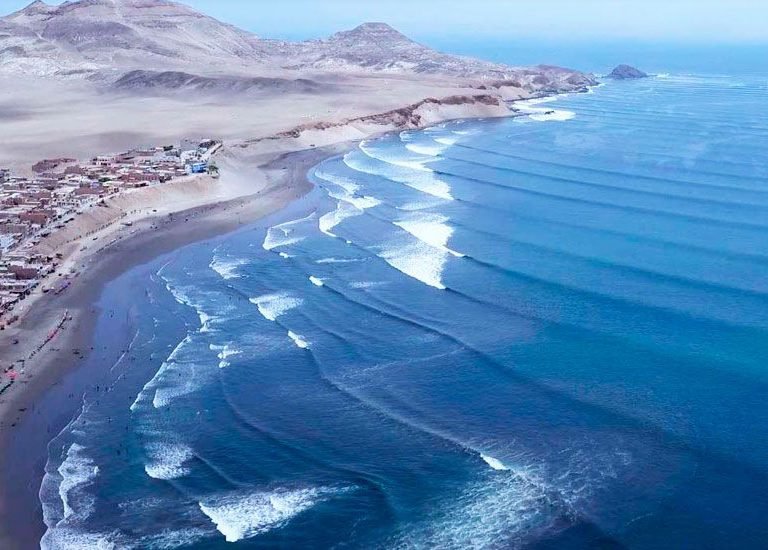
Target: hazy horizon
{"points": [[686, 21]]}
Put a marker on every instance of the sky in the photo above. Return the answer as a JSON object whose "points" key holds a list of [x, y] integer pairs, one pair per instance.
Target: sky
{"points": [[693, 21]]}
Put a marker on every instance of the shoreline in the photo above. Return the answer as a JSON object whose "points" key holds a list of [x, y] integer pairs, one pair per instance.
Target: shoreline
{"points": [[24, 431], [286, 169]]}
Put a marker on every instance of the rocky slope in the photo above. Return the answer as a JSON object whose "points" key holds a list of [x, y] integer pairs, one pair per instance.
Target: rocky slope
{"points": [[106, 40], [178, 82], [91, 35]]}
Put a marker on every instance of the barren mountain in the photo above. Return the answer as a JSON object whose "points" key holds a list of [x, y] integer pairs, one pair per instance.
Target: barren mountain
{"points": [[91, 35], [179, 48]]}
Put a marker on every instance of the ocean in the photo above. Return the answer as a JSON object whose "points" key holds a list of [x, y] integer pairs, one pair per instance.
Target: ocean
{"points": [[548, 331]]}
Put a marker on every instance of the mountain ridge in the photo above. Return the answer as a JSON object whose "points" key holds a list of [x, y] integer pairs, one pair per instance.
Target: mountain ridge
{"points": [[105, 39]]}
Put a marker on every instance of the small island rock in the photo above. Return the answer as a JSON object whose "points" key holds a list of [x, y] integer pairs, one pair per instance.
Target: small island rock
{"points": [[626, 72]]}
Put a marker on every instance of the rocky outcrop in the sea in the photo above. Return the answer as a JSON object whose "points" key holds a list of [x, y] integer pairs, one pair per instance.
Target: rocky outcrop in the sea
{"points": [[627, 72]]}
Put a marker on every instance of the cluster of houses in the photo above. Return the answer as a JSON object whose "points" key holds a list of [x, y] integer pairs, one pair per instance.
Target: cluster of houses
{"points": [[31, 208]]}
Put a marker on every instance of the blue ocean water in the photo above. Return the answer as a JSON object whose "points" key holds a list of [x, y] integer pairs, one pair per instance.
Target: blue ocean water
{"points": [[548, 331]]}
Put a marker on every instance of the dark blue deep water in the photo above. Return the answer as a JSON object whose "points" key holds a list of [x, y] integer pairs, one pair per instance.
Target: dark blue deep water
{"points": [[541, 332]]}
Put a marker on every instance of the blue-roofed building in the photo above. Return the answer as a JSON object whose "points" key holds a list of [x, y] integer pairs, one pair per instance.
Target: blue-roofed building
{"points": [[197, 167]]}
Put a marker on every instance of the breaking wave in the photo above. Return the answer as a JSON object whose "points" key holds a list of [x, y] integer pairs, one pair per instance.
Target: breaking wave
{"points": [[285, 234], [167, 460], [272, 306], [239, 516]]}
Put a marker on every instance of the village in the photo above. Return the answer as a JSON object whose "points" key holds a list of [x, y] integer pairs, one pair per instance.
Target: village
{"points": [[34, 207]]}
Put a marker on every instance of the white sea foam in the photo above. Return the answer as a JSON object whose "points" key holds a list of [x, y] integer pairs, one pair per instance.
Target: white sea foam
{"points": [[168, 363], [285, 234], [168, 383], [419, 260], [67, 538], [77, 471], [298, 340], [68, 484], [558, 115], [227, 268], [360, 202], [344, 189], [430, 228], [244, 515], [272, 306], [170, 539], [202, 303], [165, 395], [167, 460], [178, 376], [495, 463], [543, 114], [489, 513], [316, 281], [285, 256], [225, 352]]}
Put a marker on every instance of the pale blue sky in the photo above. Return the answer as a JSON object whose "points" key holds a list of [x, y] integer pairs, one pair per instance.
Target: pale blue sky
{"points": [[645, 20]]}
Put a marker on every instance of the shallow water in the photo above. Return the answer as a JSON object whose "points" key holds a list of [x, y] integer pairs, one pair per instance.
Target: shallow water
{"points": [[547, 331]]}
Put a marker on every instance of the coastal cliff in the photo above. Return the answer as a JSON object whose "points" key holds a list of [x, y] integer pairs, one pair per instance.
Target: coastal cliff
{"points": [[421, 114]]}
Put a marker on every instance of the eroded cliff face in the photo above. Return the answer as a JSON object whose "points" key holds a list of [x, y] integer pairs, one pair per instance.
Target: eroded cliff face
{"points": [[413, 116], [427, 112]]}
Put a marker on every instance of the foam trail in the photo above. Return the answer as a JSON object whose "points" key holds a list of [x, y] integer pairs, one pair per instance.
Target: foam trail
{"points": [[298, 340], [272, 306], [246, 515]]}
